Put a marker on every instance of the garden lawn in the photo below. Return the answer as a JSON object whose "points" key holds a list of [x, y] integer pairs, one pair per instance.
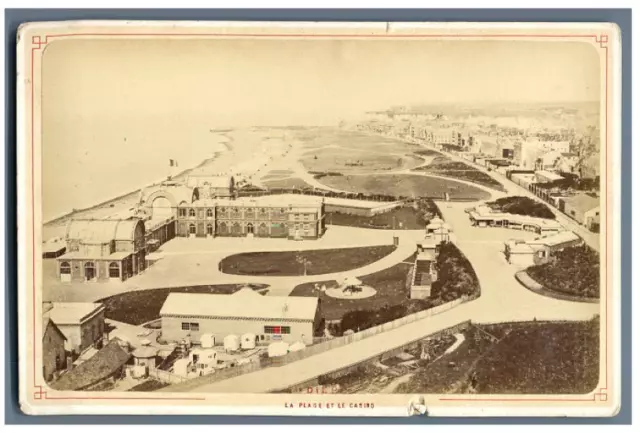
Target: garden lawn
{"points": [[290, 263], [141, 306], [443, 166], [405, 185], [390, 285], [404, 217], [456, 278], [573, 271]]}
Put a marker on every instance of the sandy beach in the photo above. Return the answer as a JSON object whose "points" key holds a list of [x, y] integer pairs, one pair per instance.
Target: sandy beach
{"points": [[243, 153]]}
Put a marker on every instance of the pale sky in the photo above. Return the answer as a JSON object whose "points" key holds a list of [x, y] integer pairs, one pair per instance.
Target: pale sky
{"points": [[276, 81]]}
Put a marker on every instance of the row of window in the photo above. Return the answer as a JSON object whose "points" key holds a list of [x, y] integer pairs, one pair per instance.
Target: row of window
{"points": [[90, 267], [278, 330], [183, 212], [250, 228]]}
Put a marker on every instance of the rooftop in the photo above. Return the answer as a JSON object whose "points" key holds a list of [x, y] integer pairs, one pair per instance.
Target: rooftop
{"points": [[583, 202], [78, 255], [483, 212], [279, 200], [556, 239], [100, 366], [73, 313], [244, 303], [101, 231], [549, 175]]}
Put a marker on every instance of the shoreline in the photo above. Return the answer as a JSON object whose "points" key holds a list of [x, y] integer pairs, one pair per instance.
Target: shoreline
{"points": [[131, 193]]}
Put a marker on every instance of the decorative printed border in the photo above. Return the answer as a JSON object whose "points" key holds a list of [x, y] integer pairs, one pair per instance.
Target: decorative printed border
{"points": [[38, 42]]}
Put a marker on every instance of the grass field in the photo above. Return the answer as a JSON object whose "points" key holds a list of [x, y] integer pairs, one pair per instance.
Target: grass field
{"points": [[405, 186], [290, 263], [574, 271], [349, 160], [391, 301], [523, 358], [141, 306], [404, 217], [290, 182], [443, 166], [389, 284]]}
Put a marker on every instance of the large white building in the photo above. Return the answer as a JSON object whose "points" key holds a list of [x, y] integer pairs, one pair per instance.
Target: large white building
{"points": [[269, 318]]}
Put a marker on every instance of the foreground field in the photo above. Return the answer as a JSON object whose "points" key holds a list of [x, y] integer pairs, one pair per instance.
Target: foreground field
{"points": [[141, 306], [405, 186], [516, 358], [310, 262]]}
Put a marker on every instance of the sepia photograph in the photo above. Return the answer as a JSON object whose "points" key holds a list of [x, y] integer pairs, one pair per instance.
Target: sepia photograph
{"points": [[370, 219]]}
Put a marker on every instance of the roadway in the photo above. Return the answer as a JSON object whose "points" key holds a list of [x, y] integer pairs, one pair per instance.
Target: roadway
{"points": [[503, 299]]}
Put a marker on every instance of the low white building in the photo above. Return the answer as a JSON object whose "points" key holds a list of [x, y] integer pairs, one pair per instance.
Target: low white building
{"points": [[82, 323], [269, 318], [539, 251]]}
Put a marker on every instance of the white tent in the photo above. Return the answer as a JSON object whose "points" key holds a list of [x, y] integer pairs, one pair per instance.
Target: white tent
{"points": [[207, 341], [298, 345], [278, 348], [181, 366], [248, 341], [231, 342]]}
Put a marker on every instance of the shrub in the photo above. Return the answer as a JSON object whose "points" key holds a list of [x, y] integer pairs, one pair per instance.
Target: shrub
{"points": [[520, 205]]}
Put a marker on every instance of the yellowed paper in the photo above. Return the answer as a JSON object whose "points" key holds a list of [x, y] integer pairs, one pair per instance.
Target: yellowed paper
{"points": [[369, 219]]}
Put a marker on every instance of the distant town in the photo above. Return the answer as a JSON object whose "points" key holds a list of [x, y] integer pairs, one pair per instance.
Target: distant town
{"points": [[416, 250]]}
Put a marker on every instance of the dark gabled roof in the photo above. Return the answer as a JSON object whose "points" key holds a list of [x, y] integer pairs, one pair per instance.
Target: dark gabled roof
{"points": [[46, 322], [100, 366]]}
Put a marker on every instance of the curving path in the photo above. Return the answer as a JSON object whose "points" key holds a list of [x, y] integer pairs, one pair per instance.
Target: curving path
{"points": [[503, 299]]}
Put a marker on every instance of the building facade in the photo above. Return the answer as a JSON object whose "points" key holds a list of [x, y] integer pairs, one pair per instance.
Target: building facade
{"points": [[82, 324], [269, 318], [103, 250], [54, 356], [266, 216]]}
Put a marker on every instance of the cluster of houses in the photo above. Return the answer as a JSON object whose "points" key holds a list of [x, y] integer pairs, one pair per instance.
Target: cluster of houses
{"points": [[545, 164], [554, 237]]}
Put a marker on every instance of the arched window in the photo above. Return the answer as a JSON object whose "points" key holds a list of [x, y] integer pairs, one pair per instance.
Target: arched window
{"points": [[209, 213], [89, 270], [65, 268], [192, 228], [192, 212], [114, 270], [210, 229]]}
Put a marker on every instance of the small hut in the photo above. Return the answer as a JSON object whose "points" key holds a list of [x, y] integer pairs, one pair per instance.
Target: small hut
{"points": [[145, 356], [298, 345], [207, 341], [278, 348], [248, 341], [231, 343]]}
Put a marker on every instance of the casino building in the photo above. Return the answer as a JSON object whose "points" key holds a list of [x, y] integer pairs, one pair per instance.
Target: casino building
{"points": [[203, 208]]}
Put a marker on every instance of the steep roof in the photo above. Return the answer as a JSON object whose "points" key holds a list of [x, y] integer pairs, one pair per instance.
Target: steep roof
{"points": [[244, 303], [100, 366], [582, 202], [73, 313], [46, 323]]}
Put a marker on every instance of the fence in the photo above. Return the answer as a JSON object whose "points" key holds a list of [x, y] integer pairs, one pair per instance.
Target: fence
{"points": [[333, 343], [219, 375], [165, 376], [348, 339]]}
